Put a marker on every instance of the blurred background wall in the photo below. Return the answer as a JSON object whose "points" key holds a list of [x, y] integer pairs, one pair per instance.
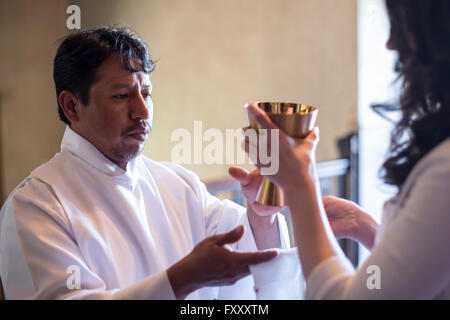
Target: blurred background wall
{"points": [[30, 128], [213, 56]]}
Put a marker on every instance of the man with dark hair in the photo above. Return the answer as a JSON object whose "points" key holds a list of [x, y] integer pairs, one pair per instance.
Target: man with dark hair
{"points": [[101, 221]]}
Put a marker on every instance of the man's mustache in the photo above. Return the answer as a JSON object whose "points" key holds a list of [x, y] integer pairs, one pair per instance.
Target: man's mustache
{"points": [[141, 125]]}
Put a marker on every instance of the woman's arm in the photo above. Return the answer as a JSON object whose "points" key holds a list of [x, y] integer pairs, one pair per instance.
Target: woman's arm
{"points": [[411, 259], [297, 176], [313, 235]]}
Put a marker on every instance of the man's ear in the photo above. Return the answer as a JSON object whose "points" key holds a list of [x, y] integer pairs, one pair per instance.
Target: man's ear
{"points": [[70, 104]]}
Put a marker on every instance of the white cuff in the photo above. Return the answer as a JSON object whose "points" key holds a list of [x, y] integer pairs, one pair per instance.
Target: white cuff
{"points": [[154, 287], [279, 278], [248, 244]]}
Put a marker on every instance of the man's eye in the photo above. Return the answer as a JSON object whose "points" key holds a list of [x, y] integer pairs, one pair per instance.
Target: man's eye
{"points": [[147, 95], [121, 96]]}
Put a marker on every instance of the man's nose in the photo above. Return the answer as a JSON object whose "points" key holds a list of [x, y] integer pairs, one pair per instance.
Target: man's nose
{"points": [[140, 110]]}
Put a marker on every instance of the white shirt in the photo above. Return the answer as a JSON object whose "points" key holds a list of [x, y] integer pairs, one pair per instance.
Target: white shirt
{"points": [[80, 214], [411, 252]]}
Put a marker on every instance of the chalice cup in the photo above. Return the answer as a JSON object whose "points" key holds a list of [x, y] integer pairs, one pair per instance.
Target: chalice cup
{"points": [[295, 119]]}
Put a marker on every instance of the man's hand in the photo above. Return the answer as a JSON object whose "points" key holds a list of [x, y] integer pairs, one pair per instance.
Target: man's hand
{"points": [[250, 183], [261, 217], [211, 264]]}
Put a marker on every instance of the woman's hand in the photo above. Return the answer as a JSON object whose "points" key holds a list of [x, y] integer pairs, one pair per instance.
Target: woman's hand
{"points": [[348, 220], [342, 216], [296, 175], [296, 156]]}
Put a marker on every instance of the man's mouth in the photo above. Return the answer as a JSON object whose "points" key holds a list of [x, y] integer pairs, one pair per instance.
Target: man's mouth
{"points": [[139, 134]]}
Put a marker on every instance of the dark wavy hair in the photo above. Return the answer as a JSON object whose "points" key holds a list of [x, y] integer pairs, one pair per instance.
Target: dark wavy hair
{"points": [[80, 54], [420, 33]]}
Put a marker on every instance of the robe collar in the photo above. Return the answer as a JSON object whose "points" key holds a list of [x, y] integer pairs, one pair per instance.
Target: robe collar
{"points": [[83, 149]]}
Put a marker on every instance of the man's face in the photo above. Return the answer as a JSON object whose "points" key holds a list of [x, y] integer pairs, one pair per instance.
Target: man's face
{"points": [[119, 115]]}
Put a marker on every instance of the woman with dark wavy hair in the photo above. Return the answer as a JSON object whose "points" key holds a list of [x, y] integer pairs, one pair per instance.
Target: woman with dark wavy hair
{"points": [[409, 250]]}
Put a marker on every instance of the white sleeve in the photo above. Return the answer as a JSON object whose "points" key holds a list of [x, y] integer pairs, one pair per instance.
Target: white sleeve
{"points": [[39, 258], [410, 260], [279, 278]]}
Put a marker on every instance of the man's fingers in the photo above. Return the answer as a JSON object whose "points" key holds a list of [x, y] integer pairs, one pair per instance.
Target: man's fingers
{"points": [[243, 271], [265, 210], [255, 177], [240, 174], [230, 237], [249, 258]]}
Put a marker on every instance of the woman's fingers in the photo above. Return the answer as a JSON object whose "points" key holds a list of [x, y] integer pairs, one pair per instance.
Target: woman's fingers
{"points": [[314, 135], [251, 150], [261, 117]]}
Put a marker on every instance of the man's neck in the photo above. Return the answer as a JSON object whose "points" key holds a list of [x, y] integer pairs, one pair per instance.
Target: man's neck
{"points": [[120, 164]]}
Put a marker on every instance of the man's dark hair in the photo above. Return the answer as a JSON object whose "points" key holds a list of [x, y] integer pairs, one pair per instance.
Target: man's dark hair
{"points": [[80, 54]]}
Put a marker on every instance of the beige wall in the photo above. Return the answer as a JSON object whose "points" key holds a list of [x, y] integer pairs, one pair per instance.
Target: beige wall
{"points": [[30, 129], [213, 56]]}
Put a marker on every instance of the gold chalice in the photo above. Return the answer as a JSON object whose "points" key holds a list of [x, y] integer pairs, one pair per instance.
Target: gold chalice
{"points": [[296, 120]]}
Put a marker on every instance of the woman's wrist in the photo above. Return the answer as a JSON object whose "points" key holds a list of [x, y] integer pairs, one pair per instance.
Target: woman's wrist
{"points": [[306, 189], [367, 230], [299, 179], [305, 180]]}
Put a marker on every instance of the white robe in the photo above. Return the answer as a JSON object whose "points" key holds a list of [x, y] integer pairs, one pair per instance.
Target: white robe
{"points": [[80, 227]]}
